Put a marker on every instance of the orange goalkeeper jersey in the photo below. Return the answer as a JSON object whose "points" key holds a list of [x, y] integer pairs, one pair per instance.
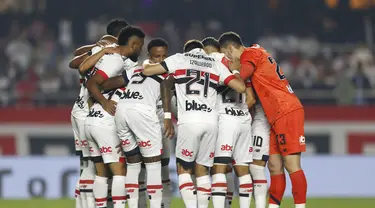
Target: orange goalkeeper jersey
{"points": [[269, 83]]}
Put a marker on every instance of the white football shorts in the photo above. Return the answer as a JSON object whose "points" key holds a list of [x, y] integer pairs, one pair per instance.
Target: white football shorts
{"points": [[138, 125], [196, 142], [234, 140], [103, 142], [80, 140], [261, 139]]}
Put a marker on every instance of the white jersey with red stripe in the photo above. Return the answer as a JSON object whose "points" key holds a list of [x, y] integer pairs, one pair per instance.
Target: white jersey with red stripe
{"points": [[229, 101], [108, 66], [197, 76], [141, 89], [81, 107]]}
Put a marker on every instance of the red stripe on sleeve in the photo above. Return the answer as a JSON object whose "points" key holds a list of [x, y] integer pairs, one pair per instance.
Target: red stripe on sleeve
{"points": [[137, 70], [102, 73], [228, 79]]}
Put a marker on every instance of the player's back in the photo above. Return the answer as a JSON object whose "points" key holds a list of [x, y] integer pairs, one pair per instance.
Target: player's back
{"points": [[141, 89], [270, 84], [196, 81]]}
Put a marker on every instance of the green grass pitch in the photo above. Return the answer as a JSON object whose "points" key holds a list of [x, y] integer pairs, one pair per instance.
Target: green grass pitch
{"points": [[177, 203]]}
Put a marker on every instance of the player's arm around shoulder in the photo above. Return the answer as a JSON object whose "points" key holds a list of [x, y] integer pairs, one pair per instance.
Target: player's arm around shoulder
{"points": [[90, 61], [250, 97], [169, 65], [230, 79]]}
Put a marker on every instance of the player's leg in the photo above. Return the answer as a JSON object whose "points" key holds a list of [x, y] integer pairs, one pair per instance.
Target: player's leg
{"points": [[167, 190], [276, 169], [88, 171], [186, 151], [150, 144], [223, 157], [205, 160], [230, 186], [292, 144], [116, 161], [100, 185], [133, 157], [261, 136], [242, 156], [78, 196]]}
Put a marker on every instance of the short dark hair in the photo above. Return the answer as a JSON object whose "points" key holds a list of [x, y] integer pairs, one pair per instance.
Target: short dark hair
{"points": [[230, 38], [114, 26], [157, 42], [128, 32], [211, 41], [192, 44]]}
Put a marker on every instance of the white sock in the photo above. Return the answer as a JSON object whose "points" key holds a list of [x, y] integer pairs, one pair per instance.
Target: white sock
{"points": [[77, 195], [167, 191], [203, 191], [143, 198], [132, 186], [154, 185], [260, 185], [245, 190], [87, 184], [100, 191], [219, 190], [273, 206], [118, 191], [300, 205], [230, 189], [187, 190]]}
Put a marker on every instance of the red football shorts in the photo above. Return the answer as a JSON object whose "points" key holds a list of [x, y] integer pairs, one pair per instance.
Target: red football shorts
{"points": [[287, 134]]}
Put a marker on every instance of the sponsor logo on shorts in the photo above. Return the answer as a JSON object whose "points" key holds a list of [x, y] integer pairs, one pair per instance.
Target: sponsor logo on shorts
{"points": [[91, 149], [226, 148], [144, 143], [125, 142], [250, 149], [194, 106], [94, 113], [84, 143], [234, 112], [77, 142], [106, 150], [212, 154], [187, 153], [302, 139], [131, 95]]}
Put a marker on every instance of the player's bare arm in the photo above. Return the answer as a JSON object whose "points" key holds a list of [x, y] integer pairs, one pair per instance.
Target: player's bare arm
{"points": [[77, 61], [83, 49], [154, 69], [90, 61], [105, 40], [237, 85], [166, 96], [113, 83], [250, 98], [93, 87]]}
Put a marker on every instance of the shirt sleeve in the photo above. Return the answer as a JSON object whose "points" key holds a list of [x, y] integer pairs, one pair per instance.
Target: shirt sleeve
{"points": [[109, 66], [171, 64], [248, 62], [225, 75]]}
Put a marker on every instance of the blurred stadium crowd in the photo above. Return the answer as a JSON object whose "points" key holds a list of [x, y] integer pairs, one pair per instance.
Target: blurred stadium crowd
{"points": [[38, 38]]}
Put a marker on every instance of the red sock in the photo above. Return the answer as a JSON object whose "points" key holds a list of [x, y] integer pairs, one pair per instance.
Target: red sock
{"points": [[277, 189], [299, 187]]}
